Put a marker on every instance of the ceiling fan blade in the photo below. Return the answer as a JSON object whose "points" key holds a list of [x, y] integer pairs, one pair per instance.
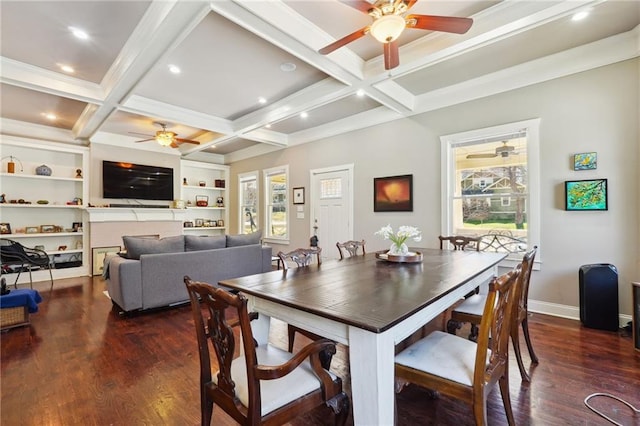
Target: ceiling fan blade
{"points": [[141, 134], [391, 55], [470, 156], [180, 140], [174, 145], [361, 5], [449, 24], [410, 3], [344, 40], [146, 140]]}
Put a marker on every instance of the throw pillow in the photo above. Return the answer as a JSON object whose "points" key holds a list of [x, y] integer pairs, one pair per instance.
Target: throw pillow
{"points": [[244, 239], [136, 246], [204, 242]]}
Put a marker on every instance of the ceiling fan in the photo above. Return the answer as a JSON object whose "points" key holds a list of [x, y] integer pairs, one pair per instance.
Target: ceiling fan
{"points": [[389, 22], [503, 151], [167, 138]]}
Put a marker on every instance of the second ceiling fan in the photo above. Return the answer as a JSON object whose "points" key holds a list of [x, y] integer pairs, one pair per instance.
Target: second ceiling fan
{"points": [[389, 22], [166, 138]]}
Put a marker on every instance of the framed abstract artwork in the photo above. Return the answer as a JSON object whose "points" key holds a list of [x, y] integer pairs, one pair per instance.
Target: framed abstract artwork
{"points": [[393, 194], [589, 194], [585, 161]]}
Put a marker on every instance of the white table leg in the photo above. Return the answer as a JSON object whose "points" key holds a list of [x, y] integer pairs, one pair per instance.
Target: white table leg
{"points": [[371, 358]]}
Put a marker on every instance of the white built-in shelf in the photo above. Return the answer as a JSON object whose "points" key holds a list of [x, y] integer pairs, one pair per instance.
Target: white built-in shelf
{"points": [[52, 252], [200, 228], [205, 208], [211, 188], [19, 175], [42, 206], [43, 234]]}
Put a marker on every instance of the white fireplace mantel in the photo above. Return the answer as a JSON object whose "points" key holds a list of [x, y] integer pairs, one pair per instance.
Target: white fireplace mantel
{"points": [[127, 214]]}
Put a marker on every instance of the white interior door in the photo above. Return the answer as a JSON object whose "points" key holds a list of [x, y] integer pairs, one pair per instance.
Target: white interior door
{"points": [[332, 207]]}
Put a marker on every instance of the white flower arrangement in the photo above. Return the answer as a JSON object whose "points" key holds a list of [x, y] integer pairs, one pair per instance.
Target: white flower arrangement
{"points": [[399, 238]]}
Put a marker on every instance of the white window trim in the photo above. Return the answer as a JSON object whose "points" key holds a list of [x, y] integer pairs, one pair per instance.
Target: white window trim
{"points": [[265, 174], [447, 142], [241, 178]]}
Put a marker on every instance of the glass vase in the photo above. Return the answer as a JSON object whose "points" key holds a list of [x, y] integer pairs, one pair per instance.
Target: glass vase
{"points": [[398, 250]]}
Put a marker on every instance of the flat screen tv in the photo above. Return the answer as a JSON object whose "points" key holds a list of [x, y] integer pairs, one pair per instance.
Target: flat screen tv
{"points": [[136, 181], [590, 194]]}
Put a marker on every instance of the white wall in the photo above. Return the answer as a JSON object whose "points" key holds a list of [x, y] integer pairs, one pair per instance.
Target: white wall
{"points": [[596, 110]]}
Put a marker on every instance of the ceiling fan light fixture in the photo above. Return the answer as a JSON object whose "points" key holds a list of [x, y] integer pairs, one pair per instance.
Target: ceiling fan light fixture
{"points": [[165, 138], [387, 28]]}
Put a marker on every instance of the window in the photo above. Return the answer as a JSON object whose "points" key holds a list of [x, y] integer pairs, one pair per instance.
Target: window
{"points": [[491, 186], [276, 184], [248, 202], [330, 188]]}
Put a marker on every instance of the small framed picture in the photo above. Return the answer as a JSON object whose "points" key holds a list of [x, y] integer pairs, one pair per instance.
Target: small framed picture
{"points": [[199, 223], [585, 161], [32, 230], [5, 228], [188, 224], [76, 226], [220, 223], [47, 228], [298, 195]]}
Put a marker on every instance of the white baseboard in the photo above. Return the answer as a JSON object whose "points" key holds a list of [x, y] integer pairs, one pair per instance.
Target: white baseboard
{"points": [[565, 311]]}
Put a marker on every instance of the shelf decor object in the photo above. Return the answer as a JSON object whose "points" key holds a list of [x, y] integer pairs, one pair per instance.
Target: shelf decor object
{"points": [[202, 200], [11, 165], [5, 228], [43, 170]]}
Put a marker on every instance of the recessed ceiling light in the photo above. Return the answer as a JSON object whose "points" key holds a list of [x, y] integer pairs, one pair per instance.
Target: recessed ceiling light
{"points": [[66, 68], [78, 33], [174, 69], [288, 66], [268, 126], [49, 116], [580, 15], [304, 114], [262, 100], [360, 92]]}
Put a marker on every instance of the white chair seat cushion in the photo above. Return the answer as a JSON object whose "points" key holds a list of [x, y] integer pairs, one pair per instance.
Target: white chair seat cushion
{"points": [[473, 305], [278, 392], [443, 355]]}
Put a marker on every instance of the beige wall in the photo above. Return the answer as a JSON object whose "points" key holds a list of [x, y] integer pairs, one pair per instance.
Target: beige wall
{"points": [[596, 110]]}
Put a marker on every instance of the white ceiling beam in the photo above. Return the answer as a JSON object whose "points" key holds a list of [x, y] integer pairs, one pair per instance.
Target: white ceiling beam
{"points": [[164, 24], [39, 79]]}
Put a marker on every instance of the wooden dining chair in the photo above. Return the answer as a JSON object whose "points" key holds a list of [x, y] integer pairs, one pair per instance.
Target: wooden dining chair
{"points": [[350, 247], [460, 242], [303, 257], [463, 369], [470, 311], [264, 385], [300, 256]]}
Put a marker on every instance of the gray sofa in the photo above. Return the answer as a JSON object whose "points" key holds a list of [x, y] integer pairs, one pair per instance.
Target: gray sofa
{"points": [[152, 274]]}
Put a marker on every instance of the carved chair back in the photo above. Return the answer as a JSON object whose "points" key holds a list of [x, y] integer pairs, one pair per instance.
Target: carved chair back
{"points": [[460, 242], [350, 247], [300, 256]]}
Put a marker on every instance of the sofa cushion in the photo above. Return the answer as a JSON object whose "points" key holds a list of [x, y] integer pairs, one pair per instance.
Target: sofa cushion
{"points": [[137, 246], [204, 242], [244, 239]]}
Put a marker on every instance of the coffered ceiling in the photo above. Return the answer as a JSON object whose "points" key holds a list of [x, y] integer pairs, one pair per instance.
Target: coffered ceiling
{"points": [[250, 69]]}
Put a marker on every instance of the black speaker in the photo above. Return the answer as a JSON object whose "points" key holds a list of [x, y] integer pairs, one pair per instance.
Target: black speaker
{"points": [[599, 296]]}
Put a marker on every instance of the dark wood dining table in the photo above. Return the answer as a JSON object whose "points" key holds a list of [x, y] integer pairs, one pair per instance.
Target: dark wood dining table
{"points": [[369, 305]]}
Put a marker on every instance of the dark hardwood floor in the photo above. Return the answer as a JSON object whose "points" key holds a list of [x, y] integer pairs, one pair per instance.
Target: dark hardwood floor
{"points": [[79, 363]]}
